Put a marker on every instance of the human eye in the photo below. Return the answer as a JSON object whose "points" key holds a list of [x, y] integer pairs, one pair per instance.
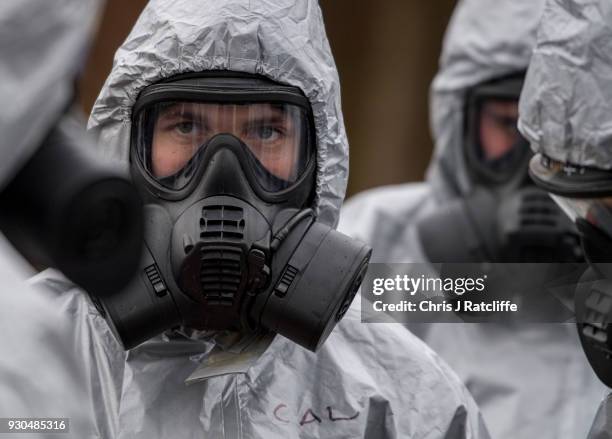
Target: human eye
{"points": [[509, 123], [180, 121], [267, 133], [185, 127], [186, 130]]}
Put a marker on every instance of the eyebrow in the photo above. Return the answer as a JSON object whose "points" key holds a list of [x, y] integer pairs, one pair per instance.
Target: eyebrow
{"points": [[268, 119], [173, 113]]}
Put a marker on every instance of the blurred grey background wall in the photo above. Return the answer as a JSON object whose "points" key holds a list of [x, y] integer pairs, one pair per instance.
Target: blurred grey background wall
{"points": [[387, 54]]}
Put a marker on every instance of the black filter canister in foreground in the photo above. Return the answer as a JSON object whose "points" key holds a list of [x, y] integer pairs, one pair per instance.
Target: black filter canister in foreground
{"points": [[64, 209]]}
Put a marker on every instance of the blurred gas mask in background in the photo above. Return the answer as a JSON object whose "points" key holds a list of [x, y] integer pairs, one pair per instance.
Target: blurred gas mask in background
{"points": [[505, 218]]}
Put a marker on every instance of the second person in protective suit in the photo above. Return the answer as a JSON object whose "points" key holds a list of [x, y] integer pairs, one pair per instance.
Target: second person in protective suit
{"points": [[478, 182], [228, 114], [566, 113]]}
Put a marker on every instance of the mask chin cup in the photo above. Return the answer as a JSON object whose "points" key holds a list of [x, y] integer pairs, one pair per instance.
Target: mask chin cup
{"points": [[316, 286], [65, 210]]}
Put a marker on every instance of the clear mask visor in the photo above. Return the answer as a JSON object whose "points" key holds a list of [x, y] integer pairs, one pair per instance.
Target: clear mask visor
{"points": [[500, 146], [171, 135]]}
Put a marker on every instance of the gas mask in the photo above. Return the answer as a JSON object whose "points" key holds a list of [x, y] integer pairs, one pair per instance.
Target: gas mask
{"points": [[67, 210], [593, 299], [226, 165], [585, 195], [505, 218], [593, 317]]}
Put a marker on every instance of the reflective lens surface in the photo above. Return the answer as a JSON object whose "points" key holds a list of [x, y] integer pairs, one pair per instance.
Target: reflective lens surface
{"points": [[170, 136], [496, 153], [499, 134], [500, 148]]}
